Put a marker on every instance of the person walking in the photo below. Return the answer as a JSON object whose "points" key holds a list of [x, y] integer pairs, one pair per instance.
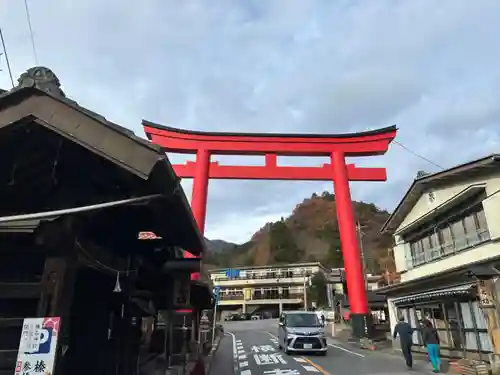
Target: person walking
{"points": [[405, 332], [431, 341]]}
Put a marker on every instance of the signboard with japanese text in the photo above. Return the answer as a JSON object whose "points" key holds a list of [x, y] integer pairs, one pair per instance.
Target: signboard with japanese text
{"points": [[148, 236], [38, 346]]}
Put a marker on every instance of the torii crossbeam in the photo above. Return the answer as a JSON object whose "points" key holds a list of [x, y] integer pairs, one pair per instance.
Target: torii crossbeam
{"points": [[336, 147]]}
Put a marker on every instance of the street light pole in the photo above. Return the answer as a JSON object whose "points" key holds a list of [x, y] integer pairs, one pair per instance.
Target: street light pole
{"points": [[363, 259]]}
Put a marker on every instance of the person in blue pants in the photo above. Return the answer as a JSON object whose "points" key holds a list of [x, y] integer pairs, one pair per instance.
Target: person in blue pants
{"points": [[431, 341]]}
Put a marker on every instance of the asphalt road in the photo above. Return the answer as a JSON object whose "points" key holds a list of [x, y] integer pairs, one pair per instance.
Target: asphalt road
{"points": [[250, 348]]}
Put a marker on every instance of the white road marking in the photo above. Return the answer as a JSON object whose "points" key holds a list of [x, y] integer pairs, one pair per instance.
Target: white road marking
{"points": [[273, 336], [246, 372], [269, 359], [311, 369], [346, 350], [278, 371], [300, 360], [235, 360]]}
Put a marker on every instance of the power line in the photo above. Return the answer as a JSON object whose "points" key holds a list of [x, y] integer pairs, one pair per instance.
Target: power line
{"points": [[32, 36], [6, 58], [418, 155]]}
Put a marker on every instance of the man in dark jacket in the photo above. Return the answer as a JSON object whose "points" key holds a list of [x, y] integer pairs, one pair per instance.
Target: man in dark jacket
{"points": [[405, 333]]}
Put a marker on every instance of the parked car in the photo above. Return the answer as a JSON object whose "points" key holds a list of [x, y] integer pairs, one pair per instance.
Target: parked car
{"points": [[301, 331], [245, 316]]}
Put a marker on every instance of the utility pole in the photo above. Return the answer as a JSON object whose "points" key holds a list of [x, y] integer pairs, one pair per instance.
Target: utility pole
{"points": [[305, 295], [359, 229]]}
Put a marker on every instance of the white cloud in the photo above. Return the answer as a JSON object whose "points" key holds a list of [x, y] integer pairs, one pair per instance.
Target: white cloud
{"points": [[281, 66]]}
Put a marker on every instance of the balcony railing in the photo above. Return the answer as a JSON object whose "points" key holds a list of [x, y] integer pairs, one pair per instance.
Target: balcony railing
{"points": [[261, 297], [231, 297], [279, 296], [264, 277]]}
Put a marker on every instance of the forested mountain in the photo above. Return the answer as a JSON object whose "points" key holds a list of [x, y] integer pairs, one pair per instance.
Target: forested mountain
{"points": [[310, 233]]}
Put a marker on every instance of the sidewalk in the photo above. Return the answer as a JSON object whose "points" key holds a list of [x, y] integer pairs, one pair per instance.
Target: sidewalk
{"points": [[386, 352], [222, 361]]}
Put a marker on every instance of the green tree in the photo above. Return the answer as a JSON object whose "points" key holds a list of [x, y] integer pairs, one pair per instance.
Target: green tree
{"points": [[282, 244], [326, 195], [317, 291], [334, 257]]}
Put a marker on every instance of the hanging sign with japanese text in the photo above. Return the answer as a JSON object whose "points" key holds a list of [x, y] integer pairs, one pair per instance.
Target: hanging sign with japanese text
{"points": [[38, 346]]}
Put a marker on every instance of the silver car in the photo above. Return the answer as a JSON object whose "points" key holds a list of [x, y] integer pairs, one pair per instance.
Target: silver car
{"points": [[301, 331]]}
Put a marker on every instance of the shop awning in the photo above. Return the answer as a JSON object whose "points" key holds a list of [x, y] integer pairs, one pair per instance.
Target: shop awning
{"points": [[434, 294]]}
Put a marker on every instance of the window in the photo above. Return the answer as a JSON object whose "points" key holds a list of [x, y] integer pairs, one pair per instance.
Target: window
{"points": [[470, 229], [435, 248], [482, 226], [459, 236], [417, 252], [461, 325], [446, 240]]}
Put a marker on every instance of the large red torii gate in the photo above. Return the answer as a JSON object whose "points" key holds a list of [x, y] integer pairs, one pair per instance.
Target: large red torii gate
{"points": [[336, 147]]}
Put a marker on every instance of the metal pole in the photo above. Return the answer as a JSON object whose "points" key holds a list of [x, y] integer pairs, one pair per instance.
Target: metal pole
{"points": [[363, 260], [305, 294], [74, 210], [213, 325]]}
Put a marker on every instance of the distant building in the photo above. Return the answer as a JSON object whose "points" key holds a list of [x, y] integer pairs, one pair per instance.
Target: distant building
{"points": [[271, 288], [446, 230]]}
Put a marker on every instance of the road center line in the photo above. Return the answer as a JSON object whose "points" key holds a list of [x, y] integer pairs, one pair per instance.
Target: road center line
{"points": [[317, 367], [346, 350]]}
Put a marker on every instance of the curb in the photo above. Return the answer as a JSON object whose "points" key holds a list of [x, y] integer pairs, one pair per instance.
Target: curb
{"points": [[211, 355]]}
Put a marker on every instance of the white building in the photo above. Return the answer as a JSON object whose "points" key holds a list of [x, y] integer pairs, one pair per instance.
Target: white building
{"points": [[445, 228], [271, 288]]}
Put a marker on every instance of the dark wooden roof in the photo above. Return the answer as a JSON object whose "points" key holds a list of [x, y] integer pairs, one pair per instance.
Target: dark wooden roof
{"points": [[271, 135], [424, 182], [39, 101]]}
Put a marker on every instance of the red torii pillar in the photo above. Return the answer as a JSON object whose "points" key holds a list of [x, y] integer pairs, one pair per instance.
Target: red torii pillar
{"points": [[337, 147]]}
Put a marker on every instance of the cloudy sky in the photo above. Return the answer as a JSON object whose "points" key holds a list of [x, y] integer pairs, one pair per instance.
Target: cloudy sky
{"points": [[331, 66]]}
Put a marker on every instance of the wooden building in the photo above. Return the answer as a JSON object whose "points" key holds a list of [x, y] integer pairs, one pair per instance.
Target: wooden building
{"points": [[76, 192]]}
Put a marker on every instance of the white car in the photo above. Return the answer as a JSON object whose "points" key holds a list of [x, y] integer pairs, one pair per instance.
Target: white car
{"points": [[301, 331]]}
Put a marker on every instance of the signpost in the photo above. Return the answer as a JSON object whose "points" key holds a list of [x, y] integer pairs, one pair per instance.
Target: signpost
{"points": [[217, 299], [38, 346]]}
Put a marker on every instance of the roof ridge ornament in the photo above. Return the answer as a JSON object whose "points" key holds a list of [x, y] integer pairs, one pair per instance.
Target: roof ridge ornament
{"points": [[422, 174], [43, 79]]}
